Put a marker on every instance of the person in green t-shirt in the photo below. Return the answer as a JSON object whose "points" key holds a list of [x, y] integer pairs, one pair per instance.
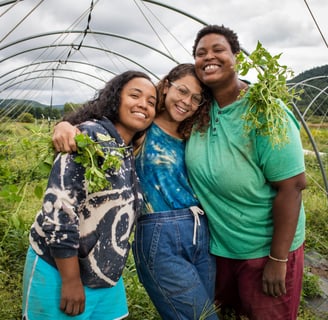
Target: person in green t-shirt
{"points": [[250, 191]]}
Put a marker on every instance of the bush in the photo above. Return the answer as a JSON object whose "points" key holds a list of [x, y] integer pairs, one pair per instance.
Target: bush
{"points": [[19, 177], [25, 117]]}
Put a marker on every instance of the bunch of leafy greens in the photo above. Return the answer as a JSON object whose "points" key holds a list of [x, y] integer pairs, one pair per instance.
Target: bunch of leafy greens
{"points": [[265, 113], [91, 156]]}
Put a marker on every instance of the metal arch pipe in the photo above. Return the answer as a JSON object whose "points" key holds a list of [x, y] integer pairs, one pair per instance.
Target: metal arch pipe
{"points": [[309, 134], [185, 14], [176, 10], [321, 91], [314, 99], [90, 32], [84, 46], [304, 84], [41, 70], [4, 3], [50, 76], [306, 80], [314, 146], [56, 61]]}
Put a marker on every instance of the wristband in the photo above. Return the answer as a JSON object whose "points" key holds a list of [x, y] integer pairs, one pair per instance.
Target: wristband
{"points": [[276, 259]]}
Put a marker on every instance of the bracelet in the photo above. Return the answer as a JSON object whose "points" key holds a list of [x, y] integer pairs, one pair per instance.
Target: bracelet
{"points": [[276, 259]]}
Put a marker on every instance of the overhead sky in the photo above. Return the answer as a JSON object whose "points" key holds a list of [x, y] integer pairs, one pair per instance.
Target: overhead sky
{"points": [[47, 68]]}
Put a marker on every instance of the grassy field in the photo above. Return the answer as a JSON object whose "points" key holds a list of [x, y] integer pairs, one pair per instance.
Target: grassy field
{"points": [[23, 175]]}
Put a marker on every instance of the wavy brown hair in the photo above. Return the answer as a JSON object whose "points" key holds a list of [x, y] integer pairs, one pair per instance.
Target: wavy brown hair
{"points": [[200, 119]]}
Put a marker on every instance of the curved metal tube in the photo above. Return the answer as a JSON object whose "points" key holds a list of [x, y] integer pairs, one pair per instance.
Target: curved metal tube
{"points": [[90, 32], [56, 61], [315, 149], [41, 70], [84, 46], [50, 76]]}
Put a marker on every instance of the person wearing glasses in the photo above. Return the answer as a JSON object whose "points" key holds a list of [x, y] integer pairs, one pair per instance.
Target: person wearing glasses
{"points": [[171, 244]]}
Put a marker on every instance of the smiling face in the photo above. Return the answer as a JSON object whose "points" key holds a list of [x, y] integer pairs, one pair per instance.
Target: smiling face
{"points": [[214, 60], [137, 109], [181, 98]]}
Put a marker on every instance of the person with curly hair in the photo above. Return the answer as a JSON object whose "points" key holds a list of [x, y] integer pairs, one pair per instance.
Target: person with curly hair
{"points": [[79, 241], [171, 244]]}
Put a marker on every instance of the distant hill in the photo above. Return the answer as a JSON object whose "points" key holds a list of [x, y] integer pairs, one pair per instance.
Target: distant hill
{"points": [[312, 73], [314, 82], [7, 103], [318, 76]]}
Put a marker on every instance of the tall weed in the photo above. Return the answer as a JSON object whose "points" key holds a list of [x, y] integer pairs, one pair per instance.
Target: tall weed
{"points": [[23, 175]]}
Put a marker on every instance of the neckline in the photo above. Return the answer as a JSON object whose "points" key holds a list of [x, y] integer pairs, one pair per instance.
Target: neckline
{"points": [[166, 133]]}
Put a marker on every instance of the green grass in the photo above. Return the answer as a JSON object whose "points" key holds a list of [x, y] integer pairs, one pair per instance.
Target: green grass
{"points": [[18, 155]]}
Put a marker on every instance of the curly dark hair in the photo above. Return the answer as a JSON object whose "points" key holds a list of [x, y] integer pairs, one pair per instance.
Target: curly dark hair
{"points": [[229, 34], [200, 122], [107, 101]]}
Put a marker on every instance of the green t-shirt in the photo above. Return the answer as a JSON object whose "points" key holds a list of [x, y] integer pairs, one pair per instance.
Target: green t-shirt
{"points": [[230, 173]]}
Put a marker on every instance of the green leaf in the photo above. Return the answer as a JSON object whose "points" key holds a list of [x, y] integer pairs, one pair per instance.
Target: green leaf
{"points": [[38, 191], [265, 114], [91, 154]]}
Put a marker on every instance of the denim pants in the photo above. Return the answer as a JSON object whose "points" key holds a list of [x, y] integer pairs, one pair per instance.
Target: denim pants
{"points": [[175, 266]]}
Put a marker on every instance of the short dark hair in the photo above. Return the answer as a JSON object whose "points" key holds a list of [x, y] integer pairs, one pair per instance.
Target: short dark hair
{"points": [[229, 34], [107, 101]]}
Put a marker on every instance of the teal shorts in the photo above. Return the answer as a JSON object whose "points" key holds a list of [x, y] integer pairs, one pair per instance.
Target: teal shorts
{"points": [[41, 295]]}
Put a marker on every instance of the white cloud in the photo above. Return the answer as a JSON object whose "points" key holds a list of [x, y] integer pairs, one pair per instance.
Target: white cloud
{"points": [[282, 26]]}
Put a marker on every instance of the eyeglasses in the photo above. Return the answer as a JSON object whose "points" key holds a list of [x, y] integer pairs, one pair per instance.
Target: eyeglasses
{"points": [[184, 92]]}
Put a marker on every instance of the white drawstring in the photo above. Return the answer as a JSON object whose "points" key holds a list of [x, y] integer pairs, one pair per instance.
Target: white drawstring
{"points": [[196, 211]]}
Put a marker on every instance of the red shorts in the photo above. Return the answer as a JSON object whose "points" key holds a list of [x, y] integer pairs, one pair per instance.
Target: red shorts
{"points": [[239, 287]]}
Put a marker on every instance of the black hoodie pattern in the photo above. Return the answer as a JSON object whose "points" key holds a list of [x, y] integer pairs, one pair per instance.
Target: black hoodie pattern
{"points": [[96, 227]]}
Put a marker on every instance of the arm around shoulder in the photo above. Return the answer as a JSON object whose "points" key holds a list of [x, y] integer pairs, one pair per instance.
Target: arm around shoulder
{"points": [[63, 137]]}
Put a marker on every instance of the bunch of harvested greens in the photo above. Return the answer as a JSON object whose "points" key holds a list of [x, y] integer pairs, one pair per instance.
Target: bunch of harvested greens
{"points": [[265, 113], [89, 153]]}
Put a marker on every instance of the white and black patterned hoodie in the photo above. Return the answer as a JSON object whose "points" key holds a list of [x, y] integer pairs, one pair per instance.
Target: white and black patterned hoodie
{"points": [[95, 227]]}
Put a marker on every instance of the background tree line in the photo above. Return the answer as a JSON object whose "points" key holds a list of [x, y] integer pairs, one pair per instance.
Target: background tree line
{"points": [[313, 82], [30, 111]]}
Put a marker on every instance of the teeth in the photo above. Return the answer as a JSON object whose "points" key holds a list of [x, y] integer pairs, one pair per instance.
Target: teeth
{"points": [[182, 109], [139, 114], [211, 67]]}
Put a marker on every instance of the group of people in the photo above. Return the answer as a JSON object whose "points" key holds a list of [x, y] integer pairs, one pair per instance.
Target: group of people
{"points": [[218, 215]]}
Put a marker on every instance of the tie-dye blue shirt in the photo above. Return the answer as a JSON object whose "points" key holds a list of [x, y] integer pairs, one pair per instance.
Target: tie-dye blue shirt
{"points": [[162, 172]]}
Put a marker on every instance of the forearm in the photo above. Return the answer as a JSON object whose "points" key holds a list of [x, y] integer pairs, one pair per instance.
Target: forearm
{"points": [[286, 209], [68, 268], [72, 300], [64, 137]]}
